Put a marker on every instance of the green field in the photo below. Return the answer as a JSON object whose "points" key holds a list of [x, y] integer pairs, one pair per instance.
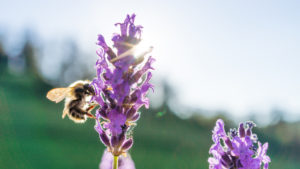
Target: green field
{"points": [[33, 135]]}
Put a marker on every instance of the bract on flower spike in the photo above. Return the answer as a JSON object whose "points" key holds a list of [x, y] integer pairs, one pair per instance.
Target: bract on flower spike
{"points": [[239, 149], [120, 88]]}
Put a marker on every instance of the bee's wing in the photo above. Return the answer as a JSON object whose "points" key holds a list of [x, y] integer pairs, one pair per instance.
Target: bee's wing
{"points": [[65, 112], [57, 94]]}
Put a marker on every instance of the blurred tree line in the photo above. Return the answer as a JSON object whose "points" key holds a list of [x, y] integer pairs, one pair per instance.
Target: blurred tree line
{"points": [[36, 61], [3, 59]]}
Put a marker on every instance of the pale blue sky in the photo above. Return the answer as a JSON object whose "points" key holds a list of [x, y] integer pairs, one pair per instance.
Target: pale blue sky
{"points": [[240, 56]]}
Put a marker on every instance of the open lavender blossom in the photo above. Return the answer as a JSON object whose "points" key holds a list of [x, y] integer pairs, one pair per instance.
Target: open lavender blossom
{"points": [[124, 162], [120, 86], [237, 150]]}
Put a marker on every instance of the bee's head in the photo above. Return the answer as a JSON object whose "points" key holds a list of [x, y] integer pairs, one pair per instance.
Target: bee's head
{"points": [[82, 88], [88, 90]]}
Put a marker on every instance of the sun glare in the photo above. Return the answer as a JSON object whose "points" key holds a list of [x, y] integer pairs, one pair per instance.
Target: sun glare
{"points": [[139, 50], [142, 48]]}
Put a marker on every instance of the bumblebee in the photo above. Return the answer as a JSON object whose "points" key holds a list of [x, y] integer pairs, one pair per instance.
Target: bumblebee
{"points": [[77, 100]]}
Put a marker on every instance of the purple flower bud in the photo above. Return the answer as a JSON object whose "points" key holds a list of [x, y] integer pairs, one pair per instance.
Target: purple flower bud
{"points": [[127, 145], [102, 113], [228, 143], [119, 109], [104, 139], [233, 132], [121, 138], [239, 164], [131, 112], [111, 54], [226, 161], [134, 97], [248, 132], [135, 117], [242, 130], [249, 125], [145, 68], [126, 100], [114, 141]]}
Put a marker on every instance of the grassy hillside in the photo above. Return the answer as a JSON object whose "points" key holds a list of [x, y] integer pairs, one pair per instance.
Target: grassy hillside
{"points": [[33, 136]]}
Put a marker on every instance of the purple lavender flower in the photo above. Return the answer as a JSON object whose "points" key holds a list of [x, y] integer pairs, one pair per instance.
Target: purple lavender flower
{"points": [[238, 149], [123, 162], [120, 86]]}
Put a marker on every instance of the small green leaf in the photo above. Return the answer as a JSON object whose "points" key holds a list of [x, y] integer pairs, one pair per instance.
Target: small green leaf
{"points": [[161, 113]]}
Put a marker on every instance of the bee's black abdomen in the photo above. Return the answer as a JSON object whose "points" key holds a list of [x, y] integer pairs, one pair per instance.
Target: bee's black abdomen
{"points": [[77, 113]]}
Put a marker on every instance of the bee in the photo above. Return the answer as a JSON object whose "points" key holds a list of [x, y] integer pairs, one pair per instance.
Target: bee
{"points": [[77, 104]]}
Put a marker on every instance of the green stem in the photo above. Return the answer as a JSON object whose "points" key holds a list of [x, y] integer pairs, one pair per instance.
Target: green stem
{"points": [[115, 164]]}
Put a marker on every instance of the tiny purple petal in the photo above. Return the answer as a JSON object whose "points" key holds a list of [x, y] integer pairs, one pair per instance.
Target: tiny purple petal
{"points": [[131, 112], [135, 117], [127, 145], [262, 154], [102, 42], [242, 130], [104, 139], [219, 131]]}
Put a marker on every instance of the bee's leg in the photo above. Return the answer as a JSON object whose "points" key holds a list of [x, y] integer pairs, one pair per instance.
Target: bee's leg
{"points": [[90, 115], [90, 108], [88, 112]]}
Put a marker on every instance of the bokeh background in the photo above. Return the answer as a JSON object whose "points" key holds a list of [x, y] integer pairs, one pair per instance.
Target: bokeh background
{"points": [[235, 60]]}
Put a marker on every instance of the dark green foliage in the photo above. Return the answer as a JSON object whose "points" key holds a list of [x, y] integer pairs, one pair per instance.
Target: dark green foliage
{"points": [[3, 59]]}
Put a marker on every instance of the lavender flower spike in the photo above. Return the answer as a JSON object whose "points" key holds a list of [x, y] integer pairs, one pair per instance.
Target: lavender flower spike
{"points": [[239, 150], [120, 86]]}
